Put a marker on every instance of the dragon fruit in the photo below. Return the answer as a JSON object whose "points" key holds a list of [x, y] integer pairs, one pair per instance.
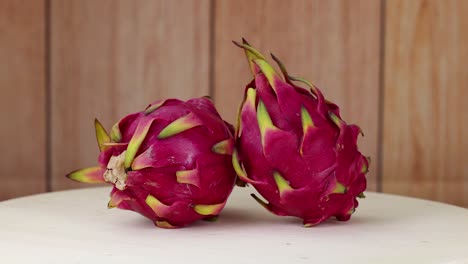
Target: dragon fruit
{"points": [[294, 149], [170, 163]]}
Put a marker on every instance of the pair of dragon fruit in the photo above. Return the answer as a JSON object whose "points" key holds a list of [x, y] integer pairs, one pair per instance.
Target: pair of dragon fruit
{"points": [[177, 162]]}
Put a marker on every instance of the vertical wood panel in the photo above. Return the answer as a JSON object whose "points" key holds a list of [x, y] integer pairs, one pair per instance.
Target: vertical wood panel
{"points": [[110, 58], [335, 44], [22, 110], [426, 94]]}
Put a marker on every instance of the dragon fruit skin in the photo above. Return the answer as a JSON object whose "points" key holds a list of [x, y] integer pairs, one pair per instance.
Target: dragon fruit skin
{"points": [[294, 149], [170, 163]]}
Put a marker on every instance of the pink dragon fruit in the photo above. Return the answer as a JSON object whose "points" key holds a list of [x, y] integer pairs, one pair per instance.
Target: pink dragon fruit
{"points": [[294, 148], [170, 163]]}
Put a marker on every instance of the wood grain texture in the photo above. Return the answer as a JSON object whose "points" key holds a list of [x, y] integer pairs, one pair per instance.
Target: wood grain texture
{"points": [[426, 93], [111, 58], [335, 44], [22, 111]]}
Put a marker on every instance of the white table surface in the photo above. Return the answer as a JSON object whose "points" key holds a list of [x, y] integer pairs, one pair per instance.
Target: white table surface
{"points": [[76, 227]]}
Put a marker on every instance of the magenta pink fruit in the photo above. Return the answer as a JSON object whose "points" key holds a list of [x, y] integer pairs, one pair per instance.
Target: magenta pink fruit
{"points": [[170, 163], [294, 148]]}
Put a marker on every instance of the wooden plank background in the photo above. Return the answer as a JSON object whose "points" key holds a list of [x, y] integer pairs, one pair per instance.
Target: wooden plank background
{"points": [[397, 68], [22, 107], [426, 93]]}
